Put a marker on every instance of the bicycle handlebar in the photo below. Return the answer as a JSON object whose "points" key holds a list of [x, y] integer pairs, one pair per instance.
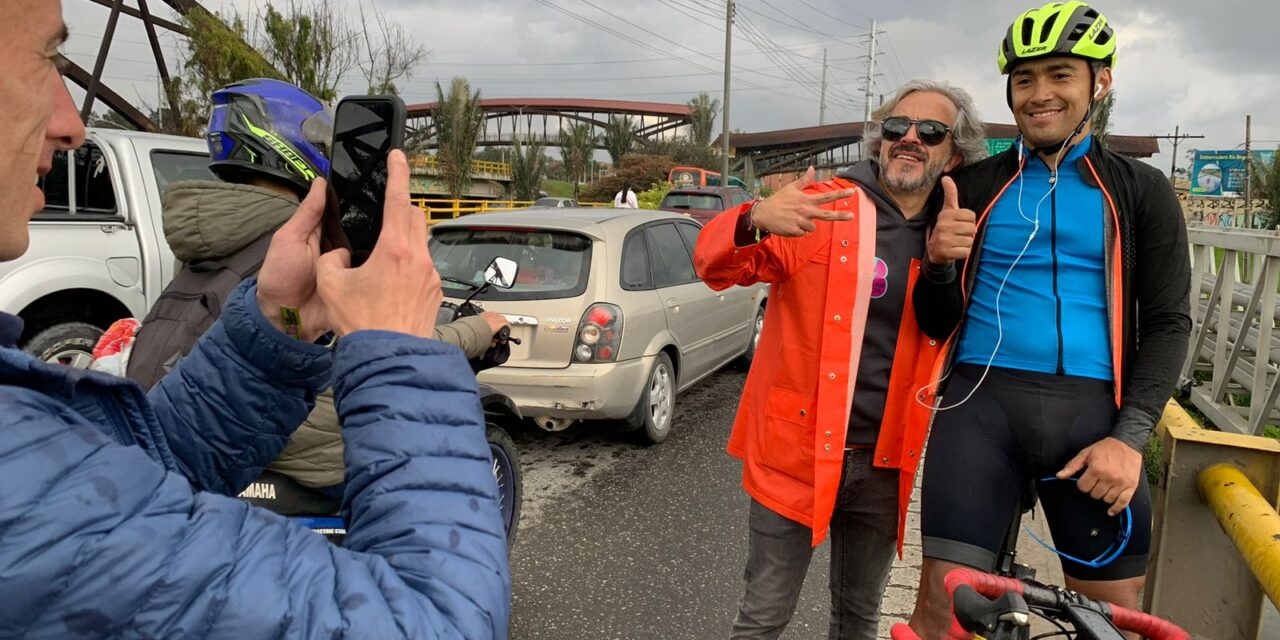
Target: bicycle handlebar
{"points": [[992, 586]]}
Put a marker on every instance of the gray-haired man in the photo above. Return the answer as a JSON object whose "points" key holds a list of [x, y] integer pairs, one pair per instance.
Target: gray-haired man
{"points": [[927, 129]]}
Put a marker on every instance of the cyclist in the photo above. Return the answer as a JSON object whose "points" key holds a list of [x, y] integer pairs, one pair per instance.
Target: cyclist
{"points": [[1072, 316]]}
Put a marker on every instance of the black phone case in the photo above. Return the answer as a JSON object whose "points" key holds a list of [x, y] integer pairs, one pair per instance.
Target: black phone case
{"points": [[332, 236]]}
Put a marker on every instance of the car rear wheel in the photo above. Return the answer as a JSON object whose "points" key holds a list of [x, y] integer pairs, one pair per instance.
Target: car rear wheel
{"points": [[656, 410], [68, 343], [757, 327]]}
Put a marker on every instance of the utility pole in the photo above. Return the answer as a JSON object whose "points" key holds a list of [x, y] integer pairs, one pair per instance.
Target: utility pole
{"points": [[1176, 138], [1248, 172], [871, 72], [822, 103], [724, 124]]}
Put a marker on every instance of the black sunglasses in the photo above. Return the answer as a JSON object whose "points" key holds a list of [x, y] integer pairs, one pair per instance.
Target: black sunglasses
{"points": [[931, 132]]}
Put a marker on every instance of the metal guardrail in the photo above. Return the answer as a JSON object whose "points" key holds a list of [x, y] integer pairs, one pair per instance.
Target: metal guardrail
{"points": [[440, 209], [1213, 585], [486, 168], [1235, 276], [1248, 519]]}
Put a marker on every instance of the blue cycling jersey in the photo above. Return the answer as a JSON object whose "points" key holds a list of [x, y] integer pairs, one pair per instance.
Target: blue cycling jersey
{"points": [[1052, 313]]}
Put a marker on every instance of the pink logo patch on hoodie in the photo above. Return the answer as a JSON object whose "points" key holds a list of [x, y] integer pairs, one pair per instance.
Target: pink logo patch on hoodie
{"points": [[881, 282]]}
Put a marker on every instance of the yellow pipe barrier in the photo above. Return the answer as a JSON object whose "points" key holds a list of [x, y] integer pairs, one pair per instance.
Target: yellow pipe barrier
{"points": [[1248, 519], [1175, 415]]}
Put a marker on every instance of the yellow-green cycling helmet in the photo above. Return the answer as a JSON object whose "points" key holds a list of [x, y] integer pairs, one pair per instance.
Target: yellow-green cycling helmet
{"points": [[1057, 29]]}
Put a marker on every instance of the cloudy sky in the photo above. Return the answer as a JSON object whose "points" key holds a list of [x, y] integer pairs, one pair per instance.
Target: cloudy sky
{"points": [[1201, 66]]}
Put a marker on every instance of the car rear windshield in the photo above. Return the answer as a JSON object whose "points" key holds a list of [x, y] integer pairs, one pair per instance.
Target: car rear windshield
{"points": [[552, 264], [692, 201]]}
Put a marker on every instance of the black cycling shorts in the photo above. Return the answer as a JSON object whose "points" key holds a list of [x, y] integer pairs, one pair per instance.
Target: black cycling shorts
{"points": [[983, 455]]}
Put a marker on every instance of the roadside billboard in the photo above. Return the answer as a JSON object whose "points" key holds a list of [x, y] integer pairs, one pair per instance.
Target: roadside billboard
{"points": [[998, 145], [1221, 174]]}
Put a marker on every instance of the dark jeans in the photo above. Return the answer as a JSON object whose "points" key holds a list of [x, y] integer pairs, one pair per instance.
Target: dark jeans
{"points": [[864, 533]]}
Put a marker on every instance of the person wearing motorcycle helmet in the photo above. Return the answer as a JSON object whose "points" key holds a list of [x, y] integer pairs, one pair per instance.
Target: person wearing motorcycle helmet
{"points": [[264, 128], [267, 142], [1071, 336]]}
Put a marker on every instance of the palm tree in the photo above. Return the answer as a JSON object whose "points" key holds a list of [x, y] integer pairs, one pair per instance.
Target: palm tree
{"points": [[1102, 118], [458, 120], [576, 145], [702, 118], [619, 137], [1266, 185], [528, 165]]}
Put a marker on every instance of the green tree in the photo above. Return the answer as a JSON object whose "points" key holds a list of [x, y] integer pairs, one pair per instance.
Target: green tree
{"points": [[702, 118], [218, 53], [1266, 185], [492, 154], [576, 146], [652, 198], [684, 152], [528, 167], [619, 137], [308, 45], [458, 120], [312, 45], [1101, 123], [641, 171]]}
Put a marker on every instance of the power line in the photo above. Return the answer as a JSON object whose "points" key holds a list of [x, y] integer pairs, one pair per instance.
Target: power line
{"points": [[598, 79], [797, 70], [836, 18], [693, 8], [893, 53], [793, 24], [637, 42], [751, 32]]}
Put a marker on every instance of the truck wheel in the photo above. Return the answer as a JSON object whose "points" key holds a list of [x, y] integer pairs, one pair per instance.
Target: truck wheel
{"points": [[68, 343], [506, 470]]}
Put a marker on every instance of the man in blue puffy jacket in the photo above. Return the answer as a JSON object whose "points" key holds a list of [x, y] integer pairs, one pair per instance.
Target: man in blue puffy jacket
{"points": [[115, 518]]}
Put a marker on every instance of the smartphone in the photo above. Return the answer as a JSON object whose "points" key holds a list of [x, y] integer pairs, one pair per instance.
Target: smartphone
{"points": [[365, 130]]}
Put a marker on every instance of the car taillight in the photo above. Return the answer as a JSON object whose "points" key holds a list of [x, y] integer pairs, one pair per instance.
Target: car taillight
{"points": [[599, 334]]}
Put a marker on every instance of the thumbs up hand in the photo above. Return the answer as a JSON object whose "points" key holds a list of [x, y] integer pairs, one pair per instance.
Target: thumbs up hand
{"points": [[952, 237]]}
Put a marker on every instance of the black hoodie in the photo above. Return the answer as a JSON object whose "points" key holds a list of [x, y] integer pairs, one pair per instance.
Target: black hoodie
{"points": [[898, 242]]}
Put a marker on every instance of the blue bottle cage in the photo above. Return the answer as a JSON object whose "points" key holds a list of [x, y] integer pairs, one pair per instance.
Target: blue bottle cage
{"points": [[1107, 556]]}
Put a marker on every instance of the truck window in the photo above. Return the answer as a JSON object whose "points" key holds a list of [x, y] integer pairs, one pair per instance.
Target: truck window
{"points": [[85, 173], [172, 166]]}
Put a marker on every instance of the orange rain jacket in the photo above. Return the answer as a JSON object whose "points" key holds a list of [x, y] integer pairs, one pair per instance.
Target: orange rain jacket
{"points": [[791, 422]]}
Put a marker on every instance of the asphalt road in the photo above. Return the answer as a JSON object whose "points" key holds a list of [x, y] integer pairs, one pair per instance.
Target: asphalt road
{"points": [[620, 540], [623, 541]]}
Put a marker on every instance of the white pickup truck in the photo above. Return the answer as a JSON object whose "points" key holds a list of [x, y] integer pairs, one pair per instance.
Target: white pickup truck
{"points": [[97, 250]]}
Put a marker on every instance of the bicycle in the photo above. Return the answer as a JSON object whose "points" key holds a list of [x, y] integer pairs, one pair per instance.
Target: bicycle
{"points": [[999, 607]]}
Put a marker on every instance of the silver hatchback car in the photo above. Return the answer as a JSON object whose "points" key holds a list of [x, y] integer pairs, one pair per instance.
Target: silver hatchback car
{"points": [[612, 320]]}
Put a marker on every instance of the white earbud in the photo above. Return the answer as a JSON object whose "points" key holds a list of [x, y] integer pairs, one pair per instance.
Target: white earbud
{"points": [[1096, 92]]}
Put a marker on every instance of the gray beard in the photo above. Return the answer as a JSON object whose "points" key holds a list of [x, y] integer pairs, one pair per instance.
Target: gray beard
{"points": [[928, 178]]}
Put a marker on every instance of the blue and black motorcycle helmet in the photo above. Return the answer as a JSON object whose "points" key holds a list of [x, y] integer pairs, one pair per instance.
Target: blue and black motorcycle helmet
{"points": [[269, 128]]}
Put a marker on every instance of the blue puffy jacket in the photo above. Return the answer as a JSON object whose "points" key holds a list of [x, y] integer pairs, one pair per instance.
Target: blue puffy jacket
{"points": [[115, 519]]}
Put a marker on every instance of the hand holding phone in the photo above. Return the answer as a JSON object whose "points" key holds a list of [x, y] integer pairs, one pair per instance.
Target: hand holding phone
{"points": [[365, 130], [398, 288]]}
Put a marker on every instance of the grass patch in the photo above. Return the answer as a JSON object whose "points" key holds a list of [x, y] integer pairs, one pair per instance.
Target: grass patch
{"points": [[1151, 456], [558, 188]]}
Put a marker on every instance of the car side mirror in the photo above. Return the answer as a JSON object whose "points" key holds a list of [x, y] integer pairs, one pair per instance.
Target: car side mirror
{"points": [[501, 273]]}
